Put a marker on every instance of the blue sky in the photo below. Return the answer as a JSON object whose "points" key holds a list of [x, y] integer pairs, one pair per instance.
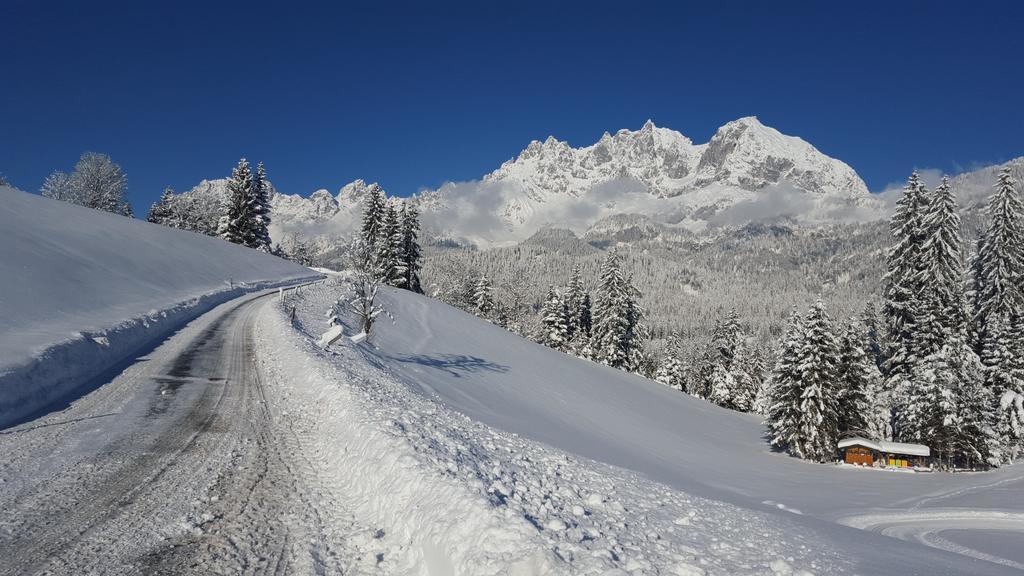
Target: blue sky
{"points": [[414, 94]]}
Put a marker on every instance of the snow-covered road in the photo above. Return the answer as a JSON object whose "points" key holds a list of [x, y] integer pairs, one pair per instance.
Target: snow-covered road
{"points": [[175, 466]]}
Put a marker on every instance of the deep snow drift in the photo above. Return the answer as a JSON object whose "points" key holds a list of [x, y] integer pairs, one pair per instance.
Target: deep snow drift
{"points": [[83, 289], [612, 472]]}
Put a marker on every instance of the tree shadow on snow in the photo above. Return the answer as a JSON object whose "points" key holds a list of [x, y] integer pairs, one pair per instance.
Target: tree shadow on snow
{"points": [[454, 364]]}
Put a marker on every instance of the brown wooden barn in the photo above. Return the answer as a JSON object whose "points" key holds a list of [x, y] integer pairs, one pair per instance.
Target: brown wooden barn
{"points": [[881, 453]]}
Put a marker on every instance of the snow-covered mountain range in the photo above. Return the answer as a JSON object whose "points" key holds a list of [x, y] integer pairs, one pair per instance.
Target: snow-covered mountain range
{"points": [[649, 182], [743, 154], [746, 171]]}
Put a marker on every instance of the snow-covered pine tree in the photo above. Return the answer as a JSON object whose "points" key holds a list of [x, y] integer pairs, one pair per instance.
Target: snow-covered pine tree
{"points": [[953, 410], [618, 331], [260, 217], [976, 441], [974, 284], [1004, 379], [941, 277], [722, 386], [999, 292], [162, 211], [554, 323], [725, 367], [819, 370], [373, 214], [759, 373], [235, 223], [784, 389], [574, 300], [410, 225], [672, 372], [483, 298], [858, 380], [930, 416], [903, 280], [873, 333], [390, 245]]}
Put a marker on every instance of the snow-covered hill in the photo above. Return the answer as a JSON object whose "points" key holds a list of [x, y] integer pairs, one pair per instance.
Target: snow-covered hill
{"points": [[615, 472], [83, 288]]}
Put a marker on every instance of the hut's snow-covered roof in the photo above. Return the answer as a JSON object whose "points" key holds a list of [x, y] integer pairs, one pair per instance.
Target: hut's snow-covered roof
{"points": [[888, 447]]}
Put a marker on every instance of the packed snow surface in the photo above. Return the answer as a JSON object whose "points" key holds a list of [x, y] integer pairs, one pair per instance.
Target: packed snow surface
{"points": [[74, 277], [615, 472]]}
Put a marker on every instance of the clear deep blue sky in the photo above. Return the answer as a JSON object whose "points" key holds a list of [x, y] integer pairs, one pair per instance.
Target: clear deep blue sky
{"points": [[414, 94]]}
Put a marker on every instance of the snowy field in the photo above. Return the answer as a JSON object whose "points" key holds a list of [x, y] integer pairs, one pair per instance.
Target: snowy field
{"points": [[84, 289], [473, 431]]}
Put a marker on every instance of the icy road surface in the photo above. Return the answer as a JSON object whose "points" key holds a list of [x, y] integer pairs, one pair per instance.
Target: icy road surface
{"points": [[176, 466]]}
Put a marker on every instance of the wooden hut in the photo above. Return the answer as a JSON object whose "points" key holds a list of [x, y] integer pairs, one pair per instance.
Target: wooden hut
{"points": [[881, 453]]}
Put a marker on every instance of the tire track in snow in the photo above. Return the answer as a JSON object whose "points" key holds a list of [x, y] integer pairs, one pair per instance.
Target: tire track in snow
{"points": [[926, 527]]}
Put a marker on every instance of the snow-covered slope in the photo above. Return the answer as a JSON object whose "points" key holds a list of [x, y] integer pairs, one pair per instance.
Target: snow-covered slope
{"points": [[690, 445], [71, 276]]}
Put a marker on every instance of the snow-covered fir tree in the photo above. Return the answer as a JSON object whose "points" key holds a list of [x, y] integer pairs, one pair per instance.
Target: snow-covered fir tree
{"points": [[726, 371], [873, 333], [483, 298], [577, 305], [999, 282], [260, 218], [952, 411], [162, 211], [997, 295], [1004, 379], [554, 321], [819, 371], [412, 254], [941, 306], [390, 245], [785, 390], [618, 331], [236, 221], [672, 370], [858, 382], [373, 214], [903, 280]]}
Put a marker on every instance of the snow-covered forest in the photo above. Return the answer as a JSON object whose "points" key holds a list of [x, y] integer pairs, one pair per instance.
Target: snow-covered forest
{"points": [[930, 352]]}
